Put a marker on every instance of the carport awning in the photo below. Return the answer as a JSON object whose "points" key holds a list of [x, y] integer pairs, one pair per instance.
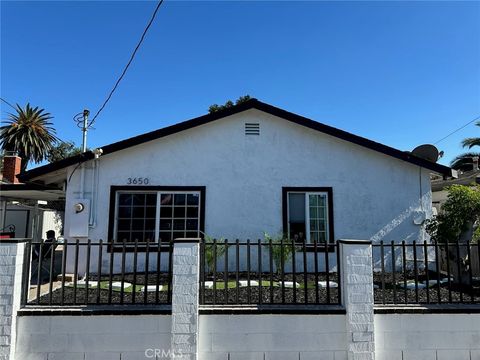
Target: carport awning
{"points": [[30, 192]]}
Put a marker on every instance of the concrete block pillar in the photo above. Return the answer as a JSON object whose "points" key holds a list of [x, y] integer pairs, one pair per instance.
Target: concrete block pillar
{"points": [[357, 297], [11, 277], [185, 295]]}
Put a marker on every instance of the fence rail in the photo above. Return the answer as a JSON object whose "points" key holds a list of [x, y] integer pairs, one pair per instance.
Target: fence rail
{"points": [[259, 272], [244, 273], [94, 273], [426, 273]]}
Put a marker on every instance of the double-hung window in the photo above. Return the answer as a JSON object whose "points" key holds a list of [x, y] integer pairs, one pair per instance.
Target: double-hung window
{"points": [[156, 214], [308, 214]]}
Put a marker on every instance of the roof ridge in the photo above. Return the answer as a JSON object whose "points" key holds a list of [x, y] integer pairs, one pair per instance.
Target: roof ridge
{"points": [[252, 103]]}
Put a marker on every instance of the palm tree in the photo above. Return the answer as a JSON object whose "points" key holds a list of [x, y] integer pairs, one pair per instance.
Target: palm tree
{"points": [[464, 162], [29, 133], [471, 142]]}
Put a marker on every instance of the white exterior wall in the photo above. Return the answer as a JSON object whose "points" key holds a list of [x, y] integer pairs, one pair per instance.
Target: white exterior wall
{"points": [[374, 196], [427, 336]]}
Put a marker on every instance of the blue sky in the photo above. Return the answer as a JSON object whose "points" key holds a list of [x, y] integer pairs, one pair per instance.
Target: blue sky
{"points": [[400, 73]]}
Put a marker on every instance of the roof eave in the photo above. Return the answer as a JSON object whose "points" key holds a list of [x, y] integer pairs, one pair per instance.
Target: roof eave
{"points": [[250, 104]]}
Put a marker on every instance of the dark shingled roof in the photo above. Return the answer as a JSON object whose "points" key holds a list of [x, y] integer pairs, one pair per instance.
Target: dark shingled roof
{"points": [[250, 104]]}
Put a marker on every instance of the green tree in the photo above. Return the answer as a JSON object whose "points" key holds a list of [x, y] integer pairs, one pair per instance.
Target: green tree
{"points": [[458, 214], [215, 107], [464, 162], [29, 133], [456, 222], [63, 150]]}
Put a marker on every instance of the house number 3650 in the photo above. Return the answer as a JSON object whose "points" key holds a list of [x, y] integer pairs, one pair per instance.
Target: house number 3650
{"points": [[138, 181]]}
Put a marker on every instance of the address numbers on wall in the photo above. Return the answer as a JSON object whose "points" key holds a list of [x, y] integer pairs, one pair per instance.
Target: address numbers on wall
{"points": [[138, 181]]}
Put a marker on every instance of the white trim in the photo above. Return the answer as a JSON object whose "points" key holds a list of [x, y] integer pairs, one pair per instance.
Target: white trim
{"points": [[307, 214], [159, 193]]}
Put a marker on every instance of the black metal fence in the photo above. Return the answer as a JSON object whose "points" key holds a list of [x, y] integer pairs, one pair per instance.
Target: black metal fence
{"points": [[95, 273], [268, 272], [426, 273]]}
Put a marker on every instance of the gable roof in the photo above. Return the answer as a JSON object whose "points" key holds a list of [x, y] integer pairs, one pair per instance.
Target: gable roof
{"points": [[250, 104]]}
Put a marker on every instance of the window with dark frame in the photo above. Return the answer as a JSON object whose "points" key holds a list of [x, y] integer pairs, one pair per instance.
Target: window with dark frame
{"points": [[179, 215], [307, 215], [136, 215], [156, 215]]}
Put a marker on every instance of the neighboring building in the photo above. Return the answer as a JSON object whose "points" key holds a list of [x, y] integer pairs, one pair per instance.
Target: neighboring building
{"points": [[26, 210], [439, 185], [30, 221], [240, 172]]}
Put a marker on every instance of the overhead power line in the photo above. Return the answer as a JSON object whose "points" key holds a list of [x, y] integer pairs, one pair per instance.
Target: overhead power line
{"points": [[457, 130], [128, 64], [6, 102]]}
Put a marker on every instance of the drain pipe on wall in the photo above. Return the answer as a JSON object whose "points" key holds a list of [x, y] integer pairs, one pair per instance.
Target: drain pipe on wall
{"points": [[82, 181], [422, 210], [92, 223]]}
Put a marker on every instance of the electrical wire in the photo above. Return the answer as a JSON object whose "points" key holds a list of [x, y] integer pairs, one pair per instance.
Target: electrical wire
{"points": [[457, 130], [6, 102], [129, 62]]}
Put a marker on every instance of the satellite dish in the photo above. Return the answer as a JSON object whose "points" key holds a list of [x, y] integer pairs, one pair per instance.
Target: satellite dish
{"points": [[427, 152]]}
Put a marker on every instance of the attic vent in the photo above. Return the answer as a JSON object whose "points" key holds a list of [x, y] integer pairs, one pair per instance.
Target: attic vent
{"points": [[252, 129]]}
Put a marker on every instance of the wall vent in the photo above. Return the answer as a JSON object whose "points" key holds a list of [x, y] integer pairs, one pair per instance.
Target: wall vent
{"points": [[252, 129]]}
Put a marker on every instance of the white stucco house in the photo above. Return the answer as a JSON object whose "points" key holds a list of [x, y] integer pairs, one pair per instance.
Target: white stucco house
{"points": [[240, 172]]}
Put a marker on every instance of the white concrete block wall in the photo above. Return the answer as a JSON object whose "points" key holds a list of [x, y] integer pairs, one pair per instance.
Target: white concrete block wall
{"points": [[11, 266], [276, 337], [427, 336], [357, 297], [185, 298], [358, 335], [248, 337], [101, 337]]}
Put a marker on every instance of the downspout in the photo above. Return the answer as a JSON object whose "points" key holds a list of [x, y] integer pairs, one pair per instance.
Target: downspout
{"points": [[82, 181], [422, 226], [93, 201], [92, 223]]}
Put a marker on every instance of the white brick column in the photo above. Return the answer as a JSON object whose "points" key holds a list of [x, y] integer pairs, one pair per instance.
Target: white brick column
{"points": [[11, 276], [185, 296], [357, 297]]}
